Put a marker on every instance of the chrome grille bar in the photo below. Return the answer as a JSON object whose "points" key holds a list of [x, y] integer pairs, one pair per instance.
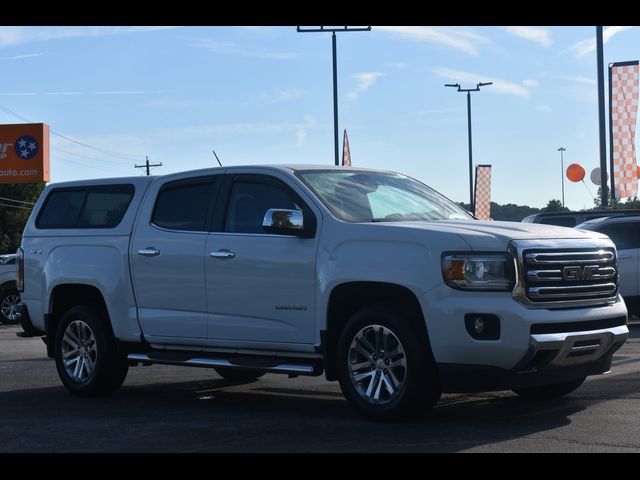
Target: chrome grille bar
{"points": [[567, 273]]}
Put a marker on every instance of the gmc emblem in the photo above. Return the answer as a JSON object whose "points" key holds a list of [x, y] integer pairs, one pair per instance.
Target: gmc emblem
{"points": [[577, 273]]}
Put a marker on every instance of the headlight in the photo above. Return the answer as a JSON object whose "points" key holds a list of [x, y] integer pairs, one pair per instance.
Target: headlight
{"points": [[479, 271]]}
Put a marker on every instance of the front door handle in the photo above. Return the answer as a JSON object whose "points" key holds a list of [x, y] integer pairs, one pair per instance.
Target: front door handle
{"points": [[149, 252], [223, 254], [627, 257]]}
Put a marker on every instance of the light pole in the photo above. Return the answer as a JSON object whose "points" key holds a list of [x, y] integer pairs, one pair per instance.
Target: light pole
{"points": [[469, 90], [561, 150], [335, 73]]}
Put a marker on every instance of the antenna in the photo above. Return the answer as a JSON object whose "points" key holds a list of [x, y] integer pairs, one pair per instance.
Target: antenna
{"points": [[214, 152]]}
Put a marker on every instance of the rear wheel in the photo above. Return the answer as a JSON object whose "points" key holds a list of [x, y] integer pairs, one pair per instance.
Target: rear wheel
{"points": [[555, 390], [239, 374], [385, 366], [9, 307], [88, 361]]}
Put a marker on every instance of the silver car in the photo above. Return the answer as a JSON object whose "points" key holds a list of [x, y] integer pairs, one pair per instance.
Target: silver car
{"points": [[9, 296]]}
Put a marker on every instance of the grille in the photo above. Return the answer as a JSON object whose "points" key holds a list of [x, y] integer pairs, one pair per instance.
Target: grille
{"points": [[556, 276]]}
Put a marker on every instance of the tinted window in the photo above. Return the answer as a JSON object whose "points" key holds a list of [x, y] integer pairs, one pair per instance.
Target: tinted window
{"points": [[183, 205], [86, 207], [248, 202], [624, 234], [559, 221]]}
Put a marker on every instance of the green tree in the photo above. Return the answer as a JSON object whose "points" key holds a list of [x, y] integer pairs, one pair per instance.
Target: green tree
{"points": [[14, 215], [555, 206]]}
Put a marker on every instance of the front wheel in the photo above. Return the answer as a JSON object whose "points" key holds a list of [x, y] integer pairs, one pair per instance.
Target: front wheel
{"points": [[88, 361], [9, 307], [385, 366], [555, 390]]}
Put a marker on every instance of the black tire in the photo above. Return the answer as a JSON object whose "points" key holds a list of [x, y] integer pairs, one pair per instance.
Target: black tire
{"points": [[418, 389], [110, 365], [239, 374], [8, 300], [547, 392]]}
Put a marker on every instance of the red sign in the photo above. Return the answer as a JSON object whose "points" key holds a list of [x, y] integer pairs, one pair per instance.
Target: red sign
{"points": [[24, 153]]}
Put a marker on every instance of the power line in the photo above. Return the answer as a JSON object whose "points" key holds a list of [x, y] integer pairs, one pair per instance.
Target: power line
{"points": [[125, 156], [90, 157], [17, 201], [15, 206]]}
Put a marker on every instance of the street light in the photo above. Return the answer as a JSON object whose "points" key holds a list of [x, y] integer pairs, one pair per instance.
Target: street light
{"points": [[469, 90], [561, 150], [335, 72]]}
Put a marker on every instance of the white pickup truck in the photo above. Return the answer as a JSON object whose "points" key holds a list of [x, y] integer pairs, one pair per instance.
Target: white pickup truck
{"points": [[369, 277]]}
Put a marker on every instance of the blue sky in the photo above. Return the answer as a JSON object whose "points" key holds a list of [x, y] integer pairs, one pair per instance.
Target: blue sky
{"points": [[264, 95]]}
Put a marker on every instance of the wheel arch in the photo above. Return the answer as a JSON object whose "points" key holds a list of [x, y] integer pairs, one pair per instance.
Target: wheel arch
{"points": [[66, 296], [348, 298]]}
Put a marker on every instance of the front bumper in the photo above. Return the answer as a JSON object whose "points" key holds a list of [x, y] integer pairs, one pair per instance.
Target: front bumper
{"points": [[551, 358], [536, 346]]}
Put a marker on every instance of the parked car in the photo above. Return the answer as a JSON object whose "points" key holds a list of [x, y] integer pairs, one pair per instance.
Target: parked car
{"points": [[9, 295], [624, 231], [367, 276], [571, 219]]}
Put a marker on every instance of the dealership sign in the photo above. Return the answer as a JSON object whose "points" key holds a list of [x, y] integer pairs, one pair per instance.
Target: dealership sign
{"points": [[24, 153]]}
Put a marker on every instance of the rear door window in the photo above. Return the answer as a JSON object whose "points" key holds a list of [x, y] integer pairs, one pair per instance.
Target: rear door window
{"points": [[100, 206], [183, 204]]}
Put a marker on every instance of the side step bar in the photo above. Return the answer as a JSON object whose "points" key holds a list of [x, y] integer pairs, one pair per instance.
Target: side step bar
{"points": [[271, 365]]}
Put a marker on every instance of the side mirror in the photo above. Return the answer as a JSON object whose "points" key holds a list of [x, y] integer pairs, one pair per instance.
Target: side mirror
{"points": [[286, 222]]}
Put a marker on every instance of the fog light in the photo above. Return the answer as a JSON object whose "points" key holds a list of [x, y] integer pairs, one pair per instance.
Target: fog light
{"points": [[482, 326]]}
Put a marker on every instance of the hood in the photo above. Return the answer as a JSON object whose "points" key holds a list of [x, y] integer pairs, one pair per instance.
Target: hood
{"points": [[490, 235]]}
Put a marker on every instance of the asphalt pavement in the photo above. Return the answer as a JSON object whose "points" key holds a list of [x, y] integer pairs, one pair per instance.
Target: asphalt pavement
{"points": [[180, 409]]}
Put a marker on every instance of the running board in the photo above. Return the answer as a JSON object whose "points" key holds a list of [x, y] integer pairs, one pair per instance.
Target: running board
{"points": [[187, 359]]}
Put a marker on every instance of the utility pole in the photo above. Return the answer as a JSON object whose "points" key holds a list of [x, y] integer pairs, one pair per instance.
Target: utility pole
{"points": [[147, 165], [469, 90], [561, 150], [333, 31], [604, 202]]}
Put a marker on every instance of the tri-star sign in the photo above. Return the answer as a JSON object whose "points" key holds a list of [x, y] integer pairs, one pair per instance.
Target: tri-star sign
{"points": [[26, 147]]}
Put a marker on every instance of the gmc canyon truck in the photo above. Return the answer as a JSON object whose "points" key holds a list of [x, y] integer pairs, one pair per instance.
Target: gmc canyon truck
{"points": [[370, 277]]}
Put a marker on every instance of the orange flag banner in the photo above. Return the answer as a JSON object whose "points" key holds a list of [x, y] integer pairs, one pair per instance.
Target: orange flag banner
{"points": [[346, 152], [624, 110], [482, 199]]}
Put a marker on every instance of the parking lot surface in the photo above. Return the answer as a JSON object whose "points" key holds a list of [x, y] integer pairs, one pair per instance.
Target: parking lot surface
{"points": [[178, 409]]}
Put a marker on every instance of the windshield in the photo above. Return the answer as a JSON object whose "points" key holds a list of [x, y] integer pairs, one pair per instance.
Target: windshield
{"points": [[363, 196]]}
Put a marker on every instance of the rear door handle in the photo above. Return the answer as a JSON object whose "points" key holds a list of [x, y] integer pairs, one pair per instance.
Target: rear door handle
{"points": [[223, 254], [149, 252]]}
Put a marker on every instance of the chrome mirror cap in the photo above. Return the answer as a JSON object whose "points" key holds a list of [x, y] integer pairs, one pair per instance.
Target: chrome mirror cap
{"points": [[283, 220]]}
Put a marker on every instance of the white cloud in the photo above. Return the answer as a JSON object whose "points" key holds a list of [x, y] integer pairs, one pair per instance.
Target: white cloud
{"points": [[588, 45], [20, 57], [581, 79], [365, 81], [233, 48], [534, 34], [282, 95], [299, 129], [543, 108], [459, 38], [11, 36], [530, 83], [114, 92], [396, 66], [499, 85]]}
